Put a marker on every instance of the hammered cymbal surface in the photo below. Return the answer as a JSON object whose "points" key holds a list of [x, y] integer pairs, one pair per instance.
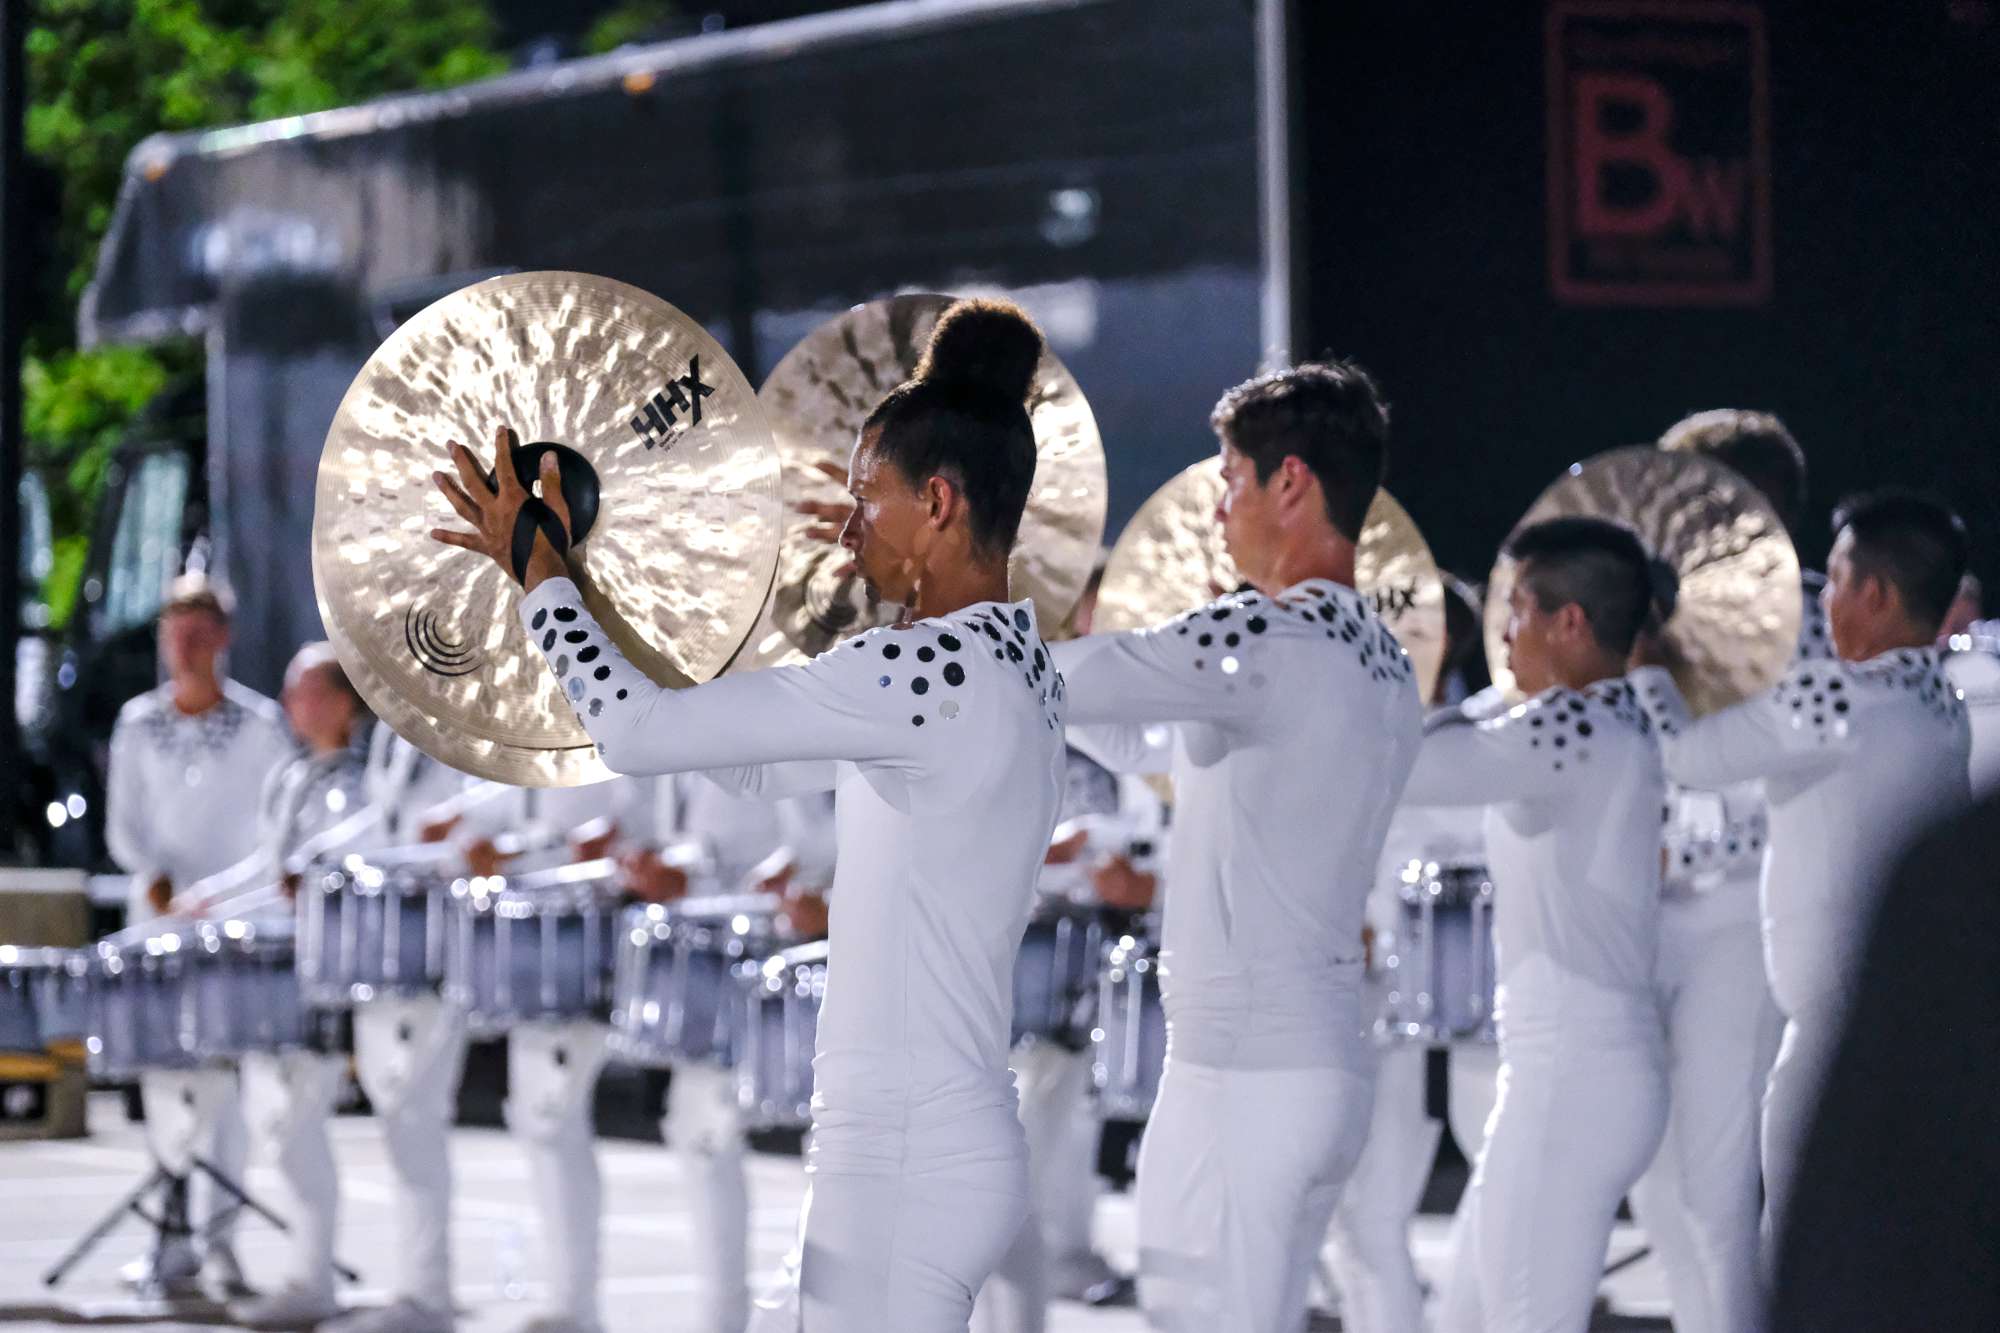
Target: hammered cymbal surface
{"points": [[1736, 619], [816, 399], [675, 567], [1171, 557]]}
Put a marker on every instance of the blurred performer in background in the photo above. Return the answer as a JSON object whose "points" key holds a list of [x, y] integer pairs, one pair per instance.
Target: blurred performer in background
{"points": [[1699, 1200], [1295, 718], [948, 769], [1572, 784], [1368, 1249], [776, 846], [1854, 753], [409, 1051], [288, 1096], [188, 762]]}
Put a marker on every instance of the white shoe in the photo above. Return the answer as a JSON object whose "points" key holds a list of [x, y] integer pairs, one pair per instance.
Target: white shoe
{"points": [[403, 1316], [285, 1308]]}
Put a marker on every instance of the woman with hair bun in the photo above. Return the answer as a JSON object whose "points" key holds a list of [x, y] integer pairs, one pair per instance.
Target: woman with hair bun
{"points": [[942, 738]]}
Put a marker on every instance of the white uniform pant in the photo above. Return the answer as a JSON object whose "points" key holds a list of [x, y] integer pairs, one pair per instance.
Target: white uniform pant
{"points": [[1239, 1173], [194, 1113], [408, 1053], [552, 1073], [903, 1250], [1055, 1242], [704, 1132], [1582, 1105], [1368, 1247], [1699, 1200], [288, 1097], [1811, 1038]]}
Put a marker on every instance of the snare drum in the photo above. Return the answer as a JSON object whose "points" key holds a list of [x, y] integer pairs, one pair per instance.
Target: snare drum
{"points": [[1129, 1043], [1439, 971], [674, 986], [1055, 975], [135, 995], [242, 992], [25, 976], [780, 998], [367, 930], [515, 957]]}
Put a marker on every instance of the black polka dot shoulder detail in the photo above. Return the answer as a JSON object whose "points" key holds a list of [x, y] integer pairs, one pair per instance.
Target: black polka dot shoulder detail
{"points": [[1226, 639], [1564, 728], [934, 662]]}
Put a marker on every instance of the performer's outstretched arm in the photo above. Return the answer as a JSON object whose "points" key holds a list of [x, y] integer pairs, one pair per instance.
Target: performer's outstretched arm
{"points": [[1780, 731], [855, 702], [1182, 671], [1527, 752]]}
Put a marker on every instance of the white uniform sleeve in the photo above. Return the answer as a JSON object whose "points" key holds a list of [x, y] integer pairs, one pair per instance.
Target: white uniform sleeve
{"points": [[1135, 747], [1195, 668], [808, 827], [1780, 731], [1530, 751], [841, 705], [127, 816]]}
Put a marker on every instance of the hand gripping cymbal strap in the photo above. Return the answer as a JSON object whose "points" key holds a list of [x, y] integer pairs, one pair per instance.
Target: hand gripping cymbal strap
{"points": [[535, 516]]}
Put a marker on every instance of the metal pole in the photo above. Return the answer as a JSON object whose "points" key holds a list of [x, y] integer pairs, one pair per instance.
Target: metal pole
{"points": [[1278, 205], [13, 315]]}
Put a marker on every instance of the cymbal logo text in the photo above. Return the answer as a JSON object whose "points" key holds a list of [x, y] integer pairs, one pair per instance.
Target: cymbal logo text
{"points": [[658, 417]]}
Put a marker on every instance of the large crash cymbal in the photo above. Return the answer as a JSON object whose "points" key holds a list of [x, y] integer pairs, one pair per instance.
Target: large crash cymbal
{"points": [[1737, 616], [1170, 557], [816, 399], [675, 563]]}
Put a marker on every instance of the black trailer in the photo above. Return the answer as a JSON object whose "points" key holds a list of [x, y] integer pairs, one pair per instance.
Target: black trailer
{"points": [[1096, 159]]}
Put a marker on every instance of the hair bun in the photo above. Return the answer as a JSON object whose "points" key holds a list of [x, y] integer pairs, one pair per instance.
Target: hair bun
{"points": [[984, 348]]}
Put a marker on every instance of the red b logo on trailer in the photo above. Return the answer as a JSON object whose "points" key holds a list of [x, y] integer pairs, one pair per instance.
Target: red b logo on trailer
{"points": [[1659, 182]]}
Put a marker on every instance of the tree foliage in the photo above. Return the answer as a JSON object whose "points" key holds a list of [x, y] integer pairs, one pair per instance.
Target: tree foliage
{"points": [[104, 74]]}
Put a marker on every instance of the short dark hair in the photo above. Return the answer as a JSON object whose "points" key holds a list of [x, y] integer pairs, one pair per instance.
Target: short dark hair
{"points": [[964, 415], [1913, 541], [1754, 444], [1601, 566], [1330, 415]]}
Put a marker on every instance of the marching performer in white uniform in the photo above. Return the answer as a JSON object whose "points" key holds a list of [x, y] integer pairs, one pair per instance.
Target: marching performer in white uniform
{"points": [[1295, 718], [1699, 1200], [1055, 1254], [187, 761], [409, 1051], [1573, 789], [1856, 756], [942, 739], [743, 839], [288, 1096], [1368, 1244]]}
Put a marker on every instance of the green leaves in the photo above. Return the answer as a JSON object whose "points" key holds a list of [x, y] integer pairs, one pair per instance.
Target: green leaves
{"points": [[104, 74]]}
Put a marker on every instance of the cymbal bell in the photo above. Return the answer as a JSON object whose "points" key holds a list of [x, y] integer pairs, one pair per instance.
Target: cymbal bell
{"points": [[1736, 620], [1171, 558], [816, 399], [633, 395]]}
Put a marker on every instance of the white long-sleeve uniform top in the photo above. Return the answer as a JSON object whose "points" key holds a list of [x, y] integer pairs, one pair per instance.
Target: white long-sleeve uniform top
{"points": [[183, 791], [1295, 720], [1716, 840], [1976, 674], [1856, 758], [303, 802], [1572, 786], [943, 741]]}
